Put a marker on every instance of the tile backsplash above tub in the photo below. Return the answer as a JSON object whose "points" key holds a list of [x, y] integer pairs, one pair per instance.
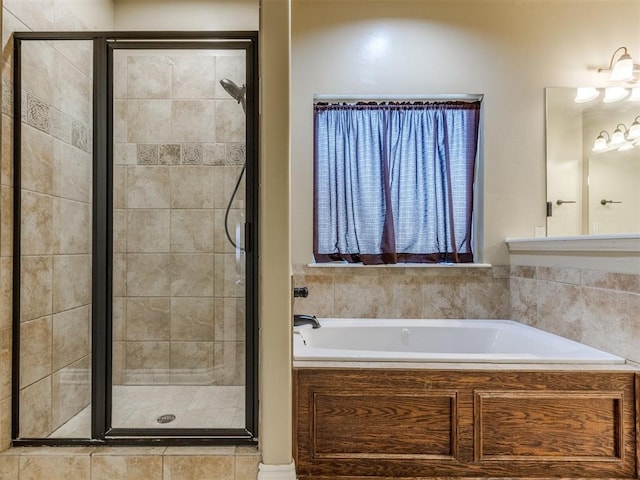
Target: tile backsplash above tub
{"points": [[598, 308], [595, 307], [397, 292]]}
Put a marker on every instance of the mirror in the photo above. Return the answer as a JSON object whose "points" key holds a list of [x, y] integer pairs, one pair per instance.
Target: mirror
{"points": [[592, 192]]}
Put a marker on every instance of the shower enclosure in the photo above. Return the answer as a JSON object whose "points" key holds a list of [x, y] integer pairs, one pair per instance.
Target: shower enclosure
{"points": [[135, 248]]}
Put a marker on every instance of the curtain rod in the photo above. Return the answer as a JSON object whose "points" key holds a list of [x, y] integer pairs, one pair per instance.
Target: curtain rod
{"points": [[437, 97]]}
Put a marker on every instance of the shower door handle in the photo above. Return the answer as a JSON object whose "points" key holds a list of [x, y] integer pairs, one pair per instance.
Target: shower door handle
{"points": [[247, 237]]}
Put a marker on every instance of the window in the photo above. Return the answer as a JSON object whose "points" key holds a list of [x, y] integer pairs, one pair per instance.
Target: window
{"points": [[393, 182]]}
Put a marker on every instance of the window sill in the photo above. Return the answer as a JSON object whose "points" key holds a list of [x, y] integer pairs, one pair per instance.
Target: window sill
{"points": [[399, 265]]}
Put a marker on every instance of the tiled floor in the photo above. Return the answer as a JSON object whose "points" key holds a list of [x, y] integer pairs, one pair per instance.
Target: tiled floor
{"points": [[140, 406], [130, 463]]}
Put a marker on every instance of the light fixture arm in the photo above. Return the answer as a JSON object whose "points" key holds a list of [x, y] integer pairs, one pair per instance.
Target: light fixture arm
{"points": [[614, 56], [615, 64]]}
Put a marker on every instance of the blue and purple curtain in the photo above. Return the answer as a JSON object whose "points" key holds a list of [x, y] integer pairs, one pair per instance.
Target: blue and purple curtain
{"points": [[393, 182]]}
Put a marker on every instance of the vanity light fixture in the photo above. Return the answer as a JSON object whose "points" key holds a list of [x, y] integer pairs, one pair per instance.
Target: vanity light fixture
{"points": [[586, 94], [614, 94], [622, 69], [634, 129], [601, 143], [618, 135]]}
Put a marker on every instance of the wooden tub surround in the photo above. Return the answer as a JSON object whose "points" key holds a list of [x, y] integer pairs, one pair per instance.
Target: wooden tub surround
{"points": [[425, 423]]}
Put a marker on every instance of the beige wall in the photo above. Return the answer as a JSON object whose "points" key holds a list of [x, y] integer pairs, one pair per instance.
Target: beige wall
{"points": [[186, 14], [507, 50]]}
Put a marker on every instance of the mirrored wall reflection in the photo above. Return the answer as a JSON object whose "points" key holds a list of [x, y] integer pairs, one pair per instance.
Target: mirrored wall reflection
{"points": [[593, 162], [178, 274], [56, 169]]}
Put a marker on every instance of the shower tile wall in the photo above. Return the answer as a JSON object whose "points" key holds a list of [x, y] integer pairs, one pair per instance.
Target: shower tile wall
{"points": [[55, 121], [178, 283], [56, 195]]}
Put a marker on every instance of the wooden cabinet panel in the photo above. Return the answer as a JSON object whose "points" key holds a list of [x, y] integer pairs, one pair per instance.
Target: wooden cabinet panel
{"points": [[561, 426], [384, 425], [393, 423]]}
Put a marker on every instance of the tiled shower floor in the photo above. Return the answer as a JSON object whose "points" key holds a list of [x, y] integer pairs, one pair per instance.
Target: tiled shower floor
{"points": [[140, 406]]}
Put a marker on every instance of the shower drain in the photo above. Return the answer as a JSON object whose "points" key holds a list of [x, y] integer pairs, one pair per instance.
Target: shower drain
{"points": [[169, 417]]}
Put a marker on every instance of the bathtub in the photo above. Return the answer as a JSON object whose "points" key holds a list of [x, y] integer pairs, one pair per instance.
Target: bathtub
{"points": [[451, 341]]}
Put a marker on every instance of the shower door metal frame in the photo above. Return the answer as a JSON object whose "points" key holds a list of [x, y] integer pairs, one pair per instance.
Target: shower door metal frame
{"points": [[104, 44]]}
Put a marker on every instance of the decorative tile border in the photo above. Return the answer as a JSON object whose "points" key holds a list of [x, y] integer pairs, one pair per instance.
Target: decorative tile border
{"points": [[192, 154], [217, 154], [169, 154], [594, 307], [147, 154], [52, 121], [37, 113]]}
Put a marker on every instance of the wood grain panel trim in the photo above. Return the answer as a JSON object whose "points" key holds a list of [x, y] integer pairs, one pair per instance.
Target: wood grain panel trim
{"points": [[558, 426], [637, 420], [384, 425]]}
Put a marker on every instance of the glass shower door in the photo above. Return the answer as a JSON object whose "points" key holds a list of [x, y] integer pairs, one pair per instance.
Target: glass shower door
{"points": [[54, 198], [179, 198]]}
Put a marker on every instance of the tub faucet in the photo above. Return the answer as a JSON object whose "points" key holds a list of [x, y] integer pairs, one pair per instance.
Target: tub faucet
{"points": [[299, 320]]}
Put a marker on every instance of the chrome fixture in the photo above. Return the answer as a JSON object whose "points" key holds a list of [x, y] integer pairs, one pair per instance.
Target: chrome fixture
{"points": [[622, 69], [239, 95], [561, 202], [604, 202], [236, 92], [299, 320], [301, 292]]}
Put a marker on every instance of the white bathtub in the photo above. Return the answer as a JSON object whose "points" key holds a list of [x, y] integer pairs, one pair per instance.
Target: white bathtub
{"points": [[454, 341]]}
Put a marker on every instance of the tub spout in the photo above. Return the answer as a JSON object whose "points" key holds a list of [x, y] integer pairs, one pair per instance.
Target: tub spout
{"points": [[306, 320]]}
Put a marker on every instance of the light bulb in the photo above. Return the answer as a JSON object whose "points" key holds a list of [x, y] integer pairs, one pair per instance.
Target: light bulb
{"points": [[617, 137], [614, 94], [600, 144], [634, 130], [586, 94], [635, 95], [623, 69]]}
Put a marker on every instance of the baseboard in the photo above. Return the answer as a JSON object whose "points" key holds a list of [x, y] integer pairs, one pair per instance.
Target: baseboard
{"points": [[277, 472]]}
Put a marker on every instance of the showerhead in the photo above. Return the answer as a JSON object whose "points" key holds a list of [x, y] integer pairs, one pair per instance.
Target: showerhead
{"points": [[236, 92]]}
